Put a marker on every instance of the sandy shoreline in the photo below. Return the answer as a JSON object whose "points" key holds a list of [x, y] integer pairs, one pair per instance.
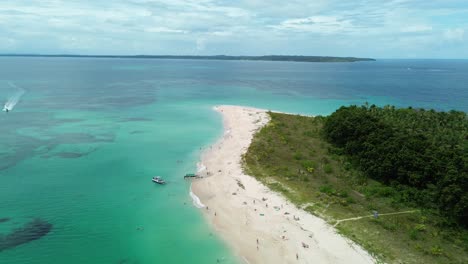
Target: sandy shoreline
{"points": [[258, 224]]}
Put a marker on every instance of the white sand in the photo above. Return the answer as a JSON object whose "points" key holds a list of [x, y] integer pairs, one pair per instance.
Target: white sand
{"points": [[232, 212]]}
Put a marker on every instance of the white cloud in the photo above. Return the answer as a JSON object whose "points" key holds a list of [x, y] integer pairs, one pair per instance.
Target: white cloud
{"points": [[201, 44], [416, 29], [319, 27], [317, 24], [164, 30], [454, 34], [221, 33], [7, 43]]}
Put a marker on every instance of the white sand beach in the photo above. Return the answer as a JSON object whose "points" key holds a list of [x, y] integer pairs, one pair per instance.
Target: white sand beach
{"points": [[261, 226]]}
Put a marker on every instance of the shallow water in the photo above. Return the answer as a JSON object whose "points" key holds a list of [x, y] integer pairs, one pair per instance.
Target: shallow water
{"points": [[79, 149]]}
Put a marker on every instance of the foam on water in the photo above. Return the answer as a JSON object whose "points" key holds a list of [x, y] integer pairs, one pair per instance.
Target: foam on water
{"points": [[196, 201]]}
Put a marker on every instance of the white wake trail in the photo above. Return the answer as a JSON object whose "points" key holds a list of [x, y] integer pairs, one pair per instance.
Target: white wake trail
{"points": [[14, 99]]}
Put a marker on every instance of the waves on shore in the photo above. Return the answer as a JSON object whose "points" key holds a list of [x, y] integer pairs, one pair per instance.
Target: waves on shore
{"points": [[200, 167], [196, 201]]}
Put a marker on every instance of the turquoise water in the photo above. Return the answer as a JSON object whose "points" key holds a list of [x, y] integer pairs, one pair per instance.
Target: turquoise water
{"points": [[79, 149]]}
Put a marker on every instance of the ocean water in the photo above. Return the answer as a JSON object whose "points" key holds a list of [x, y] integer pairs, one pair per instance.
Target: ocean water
{"points": [[79, 148]]}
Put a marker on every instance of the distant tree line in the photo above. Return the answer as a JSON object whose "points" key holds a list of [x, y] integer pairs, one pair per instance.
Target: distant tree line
{"points": [[423, 154], [215, 57]]}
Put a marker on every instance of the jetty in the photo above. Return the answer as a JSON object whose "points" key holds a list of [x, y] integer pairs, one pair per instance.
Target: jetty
{"points": [[192, 176]]}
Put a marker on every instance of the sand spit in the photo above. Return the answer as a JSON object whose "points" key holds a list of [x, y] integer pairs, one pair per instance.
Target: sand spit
{"points": [[261, 226]]}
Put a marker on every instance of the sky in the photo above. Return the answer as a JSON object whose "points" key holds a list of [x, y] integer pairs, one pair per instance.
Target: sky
{"points": [[360, 28]]}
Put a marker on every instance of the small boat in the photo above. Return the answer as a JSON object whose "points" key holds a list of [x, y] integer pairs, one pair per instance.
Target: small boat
{"points": [[158, 180]]}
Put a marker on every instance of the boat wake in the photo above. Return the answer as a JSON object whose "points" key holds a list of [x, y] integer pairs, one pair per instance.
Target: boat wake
{"points": [[196, 201], [14, 99]]}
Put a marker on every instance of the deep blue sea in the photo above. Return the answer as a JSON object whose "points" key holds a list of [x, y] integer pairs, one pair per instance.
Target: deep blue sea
{"points": [[78, 150]]}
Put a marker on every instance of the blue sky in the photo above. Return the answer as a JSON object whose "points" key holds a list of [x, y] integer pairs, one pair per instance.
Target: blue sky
{"points": [[366, 28]]}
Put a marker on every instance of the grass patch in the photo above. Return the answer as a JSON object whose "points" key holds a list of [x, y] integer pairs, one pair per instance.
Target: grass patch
{"points": [[290, 156]]}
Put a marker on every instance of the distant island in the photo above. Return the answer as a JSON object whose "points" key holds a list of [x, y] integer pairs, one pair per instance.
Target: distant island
{"points": [[216, 57]]}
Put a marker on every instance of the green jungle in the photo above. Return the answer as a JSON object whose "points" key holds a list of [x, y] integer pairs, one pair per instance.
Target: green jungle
{"points": [[393, 180]]}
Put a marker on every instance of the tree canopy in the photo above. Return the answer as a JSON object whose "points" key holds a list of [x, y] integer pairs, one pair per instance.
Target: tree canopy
{"points": [[423, 153]]}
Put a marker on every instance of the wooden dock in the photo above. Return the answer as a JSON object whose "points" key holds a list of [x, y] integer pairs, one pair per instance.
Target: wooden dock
{"points": [[192, 176]]}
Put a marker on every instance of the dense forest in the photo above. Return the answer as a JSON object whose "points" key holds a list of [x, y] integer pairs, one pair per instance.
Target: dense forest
{"points": [[407, 165], [422, 154], [216, 57]]}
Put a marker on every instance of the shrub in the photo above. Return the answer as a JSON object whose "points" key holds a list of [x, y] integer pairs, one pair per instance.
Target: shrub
{"points": [[327, 189], [327, 168], [436, 251], [309, 165], [298, 156]]}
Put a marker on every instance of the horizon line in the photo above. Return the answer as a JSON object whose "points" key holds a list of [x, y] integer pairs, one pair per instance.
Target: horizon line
{"points": [[170, 55], [206, 56]]}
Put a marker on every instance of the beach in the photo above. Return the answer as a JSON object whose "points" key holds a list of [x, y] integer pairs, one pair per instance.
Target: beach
{"points": [[259, 225]]}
